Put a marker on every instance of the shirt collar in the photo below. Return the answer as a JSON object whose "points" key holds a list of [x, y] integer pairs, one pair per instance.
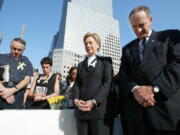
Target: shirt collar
{"points": [[10, 55], [149, 34], [91, 57]]}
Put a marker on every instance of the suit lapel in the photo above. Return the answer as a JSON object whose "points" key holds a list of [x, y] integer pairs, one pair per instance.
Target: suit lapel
{"points": [[151, 44], [135, 50], [97, 65], [85, 63]]}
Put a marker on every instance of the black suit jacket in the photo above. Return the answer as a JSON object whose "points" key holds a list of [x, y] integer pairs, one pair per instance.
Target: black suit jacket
{"points": [[93, 84], [160, 67]]}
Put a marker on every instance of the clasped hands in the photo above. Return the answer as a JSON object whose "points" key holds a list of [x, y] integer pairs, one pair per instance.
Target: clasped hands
{"points": [[84, 105], [144, 95], [7, 94], [40, 97]]}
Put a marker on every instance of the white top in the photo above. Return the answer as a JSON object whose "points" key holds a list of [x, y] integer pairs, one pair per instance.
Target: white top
{"points": [[91, 61]]}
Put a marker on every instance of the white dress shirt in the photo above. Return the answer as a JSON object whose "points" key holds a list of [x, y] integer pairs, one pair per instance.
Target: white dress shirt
{"points": [[92, 61]]}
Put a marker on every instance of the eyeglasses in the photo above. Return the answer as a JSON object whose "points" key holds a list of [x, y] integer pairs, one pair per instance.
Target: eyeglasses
{"points": [[14, 48]]}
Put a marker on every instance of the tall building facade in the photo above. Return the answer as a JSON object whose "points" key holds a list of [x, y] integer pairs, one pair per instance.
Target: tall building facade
{"points": [[78, 18], [1, 3]]}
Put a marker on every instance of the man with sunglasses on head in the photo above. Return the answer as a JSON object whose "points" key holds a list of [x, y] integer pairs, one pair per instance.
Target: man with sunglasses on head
{"points": [[18, 72]]}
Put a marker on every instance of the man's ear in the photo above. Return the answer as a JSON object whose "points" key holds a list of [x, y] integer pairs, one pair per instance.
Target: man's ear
{"points": [[150, 18]]}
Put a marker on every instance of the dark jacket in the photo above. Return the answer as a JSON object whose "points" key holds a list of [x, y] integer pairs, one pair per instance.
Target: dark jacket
{"points": [[93, 84], [160, 67]]}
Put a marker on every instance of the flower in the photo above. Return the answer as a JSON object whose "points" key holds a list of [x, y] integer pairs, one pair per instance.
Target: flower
{"points": [[57, 102]]}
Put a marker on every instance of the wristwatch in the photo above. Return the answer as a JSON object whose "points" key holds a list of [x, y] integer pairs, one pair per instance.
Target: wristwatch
{"points": [[93, 101], [156, 89]]}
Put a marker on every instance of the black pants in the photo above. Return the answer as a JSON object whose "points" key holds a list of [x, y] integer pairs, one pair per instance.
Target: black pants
{"points": [[93, 127], [144, 128]]}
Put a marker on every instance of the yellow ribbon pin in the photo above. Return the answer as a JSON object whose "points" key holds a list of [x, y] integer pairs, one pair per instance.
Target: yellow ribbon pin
{"points": [[21, 65]]}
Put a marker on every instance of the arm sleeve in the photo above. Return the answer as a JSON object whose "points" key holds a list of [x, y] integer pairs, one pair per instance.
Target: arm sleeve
{"points": [[30, 69], [104, 89], [169, 78], [123, 78]]}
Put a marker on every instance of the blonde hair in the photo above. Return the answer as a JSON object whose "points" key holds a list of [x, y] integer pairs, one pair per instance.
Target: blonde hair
{"points": [[95, 36]]}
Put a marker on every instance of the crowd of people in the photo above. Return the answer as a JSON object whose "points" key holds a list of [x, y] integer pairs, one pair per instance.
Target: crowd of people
{"points": [[145, 92]]}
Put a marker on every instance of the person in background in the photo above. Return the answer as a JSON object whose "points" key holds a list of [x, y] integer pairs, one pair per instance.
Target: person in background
{"points": [[150, 78], [44, 86], [17, 77], [62, 83], [91, 89], [70, 82], [67, 92], [27, 102]]}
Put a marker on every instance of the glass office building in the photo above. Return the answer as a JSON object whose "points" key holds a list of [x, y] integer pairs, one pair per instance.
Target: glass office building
{"points": [[78, 18]]}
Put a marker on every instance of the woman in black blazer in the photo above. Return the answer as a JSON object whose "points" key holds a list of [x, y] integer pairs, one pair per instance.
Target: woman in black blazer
{"points": [[92, 89]]}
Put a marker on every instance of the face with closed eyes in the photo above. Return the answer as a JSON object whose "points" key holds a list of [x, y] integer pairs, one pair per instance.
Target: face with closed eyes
{"points": [[17, 49], [46, 69], [141, 24], [91, 46]]}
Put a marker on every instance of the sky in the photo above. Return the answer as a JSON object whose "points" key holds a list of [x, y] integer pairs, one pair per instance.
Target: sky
{"points": [[42, 19]]}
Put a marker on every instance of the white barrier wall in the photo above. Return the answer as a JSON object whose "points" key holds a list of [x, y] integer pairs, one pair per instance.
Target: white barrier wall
{"points": [[37, 122]]}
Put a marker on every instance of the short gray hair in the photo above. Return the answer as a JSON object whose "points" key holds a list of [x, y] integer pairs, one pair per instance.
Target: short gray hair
{"points": [[20, 40], [140, 8]]}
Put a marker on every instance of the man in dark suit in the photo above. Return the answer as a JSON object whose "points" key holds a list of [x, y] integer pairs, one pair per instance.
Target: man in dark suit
{"points": [[150, 78]]}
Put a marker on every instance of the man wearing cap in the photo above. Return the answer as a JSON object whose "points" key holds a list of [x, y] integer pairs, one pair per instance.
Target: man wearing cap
{"points": [[17, 77]]}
